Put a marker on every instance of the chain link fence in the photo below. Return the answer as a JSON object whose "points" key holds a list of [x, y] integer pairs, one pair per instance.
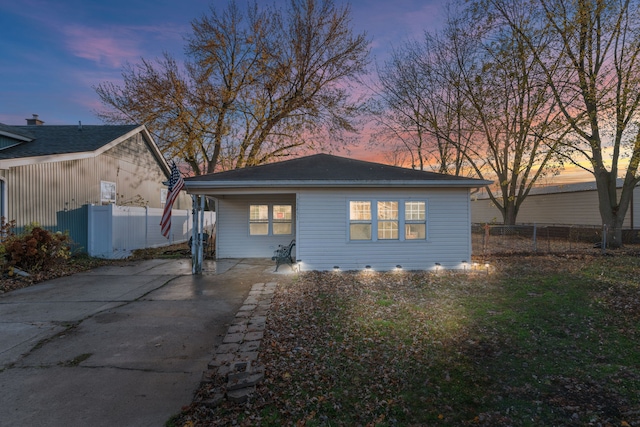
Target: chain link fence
{"points": [[490, 239]]}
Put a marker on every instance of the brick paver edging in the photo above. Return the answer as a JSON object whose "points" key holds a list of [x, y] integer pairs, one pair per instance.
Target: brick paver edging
{"points": [[235, 360]]}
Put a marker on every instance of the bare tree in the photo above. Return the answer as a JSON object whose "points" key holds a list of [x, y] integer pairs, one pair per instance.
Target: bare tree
{"points": [[480, 103], [256, 86], [516, 120], [415, 112], [591, 65]]}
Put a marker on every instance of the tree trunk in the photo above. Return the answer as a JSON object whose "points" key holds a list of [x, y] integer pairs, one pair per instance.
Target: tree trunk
{"points": [[510, 212], [612, 211]]}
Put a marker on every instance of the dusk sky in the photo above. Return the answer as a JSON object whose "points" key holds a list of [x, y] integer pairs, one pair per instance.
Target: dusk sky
{"points": [[54, 52]]}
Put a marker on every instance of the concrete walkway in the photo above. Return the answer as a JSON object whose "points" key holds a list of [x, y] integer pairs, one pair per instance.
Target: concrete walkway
{"points": [[117, 346]]}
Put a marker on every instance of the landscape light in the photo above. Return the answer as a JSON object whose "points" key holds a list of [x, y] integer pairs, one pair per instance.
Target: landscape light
{"points": [[464, 265], [487, 267], [437, 267], [336, 267], [399, 267]]}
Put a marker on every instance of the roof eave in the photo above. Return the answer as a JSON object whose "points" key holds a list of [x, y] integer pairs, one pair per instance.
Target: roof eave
{"points": [[471, 183]]}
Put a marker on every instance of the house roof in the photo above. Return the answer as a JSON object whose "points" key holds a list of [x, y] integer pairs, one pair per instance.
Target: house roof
{"points": [[327, 170], [53, 140]]}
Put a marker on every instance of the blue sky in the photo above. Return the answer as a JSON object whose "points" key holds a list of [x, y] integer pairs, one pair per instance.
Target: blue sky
{"points": [[54, 51]]}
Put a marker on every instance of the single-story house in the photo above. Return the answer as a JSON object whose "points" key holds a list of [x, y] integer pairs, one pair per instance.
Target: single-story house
{"points": [[342, 213], [50, 174], [564, 205]]}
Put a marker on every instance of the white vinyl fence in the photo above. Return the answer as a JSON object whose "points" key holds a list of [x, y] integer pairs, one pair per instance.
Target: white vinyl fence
{"points": [[115, 231]]}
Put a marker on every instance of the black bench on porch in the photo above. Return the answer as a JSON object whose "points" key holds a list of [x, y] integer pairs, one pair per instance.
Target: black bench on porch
{"points": [[282, 255]]}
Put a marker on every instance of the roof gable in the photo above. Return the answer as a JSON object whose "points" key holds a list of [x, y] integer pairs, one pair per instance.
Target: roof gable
{"points": [[13, 136], [324, 169]]}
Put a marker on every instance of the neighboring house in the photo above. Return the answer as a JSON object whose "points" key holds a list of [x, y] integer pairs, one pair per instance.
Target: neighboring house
{"points": [[49, 174], [342, 212], [569, 204]]}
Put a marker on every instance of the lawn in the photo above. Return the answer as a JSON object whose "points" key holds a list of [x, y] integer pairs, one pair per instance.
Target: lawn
{"points": [[540, 340]]}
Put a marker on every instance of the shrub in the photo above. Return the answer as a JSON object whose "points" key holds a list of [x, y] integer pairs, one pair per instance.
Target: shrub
{"points": [[36, 250]]}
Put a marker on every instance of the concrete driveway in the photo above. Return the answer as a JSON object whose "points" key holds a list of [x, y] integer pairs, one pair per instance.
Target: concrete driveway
{"points": [[116, 346]]}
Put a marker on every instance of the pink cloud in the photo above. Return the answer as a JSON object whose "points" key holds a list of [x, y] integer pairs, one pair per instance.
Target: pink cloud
{"points": [[105, 47], [116, 45]]}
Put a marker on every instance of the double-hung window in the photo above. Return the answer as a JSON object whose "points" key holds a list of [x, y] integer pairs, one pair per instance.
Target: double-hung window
{"points": [[281, 219], [360, 220], [387, 220], [415, 220], [270, 219], [259, 220]]}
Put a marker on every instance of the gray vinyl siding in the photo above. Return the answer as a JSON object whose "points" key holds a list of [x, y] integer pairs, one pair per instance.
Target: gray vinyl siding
{"points": [[567, 208], [54, 194], [233, 239], [323, 241]]}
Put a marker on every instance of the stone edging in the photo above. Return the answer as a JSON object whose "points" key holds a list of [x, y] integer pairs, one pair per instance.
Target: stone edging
{"points": [[235, 360]]}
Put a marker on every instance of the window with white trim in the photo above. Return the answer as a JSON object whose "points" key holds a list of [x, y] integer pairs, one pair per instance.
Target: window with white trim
{"points": [[393, 220], [267, 220], [387, 220], [415, 220], [282, 219], [259, 220], [107, 192], [360, 220]]}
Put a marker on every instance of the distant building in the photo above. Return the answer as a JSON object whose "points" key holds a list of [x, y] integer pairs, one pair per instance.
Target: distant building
{"points": [[49, 174], [570, 204]]}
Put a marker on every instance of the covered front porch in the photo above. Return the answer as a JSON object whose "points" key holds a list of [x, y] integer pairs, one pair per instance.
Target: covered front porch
{"points": [[248, 225]]}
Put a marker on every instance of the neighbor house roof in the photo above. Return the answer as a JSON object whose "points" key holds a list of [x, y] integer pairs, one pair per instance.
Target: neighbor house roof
{"points": [[14, 133], [44, 143], [48, 140], [327, 170]]}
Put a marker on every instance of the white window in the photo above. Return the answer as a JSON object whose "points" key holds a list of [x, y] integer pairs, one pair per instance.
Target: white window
{"points": [[265, 220], [282, 219], [415, 220], [360, 220], [387, 220], [107, 192], [259, 220]]}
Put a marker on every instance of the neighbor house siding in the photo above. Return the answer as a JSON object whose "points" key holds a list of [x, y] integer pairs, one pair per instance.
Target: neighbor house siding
{"points": [[233, 239], [323, 240], [566, 208], [54, 193]]}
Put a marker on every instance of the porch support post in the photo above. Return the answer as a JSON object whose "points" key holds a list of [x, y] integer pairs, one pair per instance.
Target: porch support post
{"points": [[201, 236], [196, 266]]}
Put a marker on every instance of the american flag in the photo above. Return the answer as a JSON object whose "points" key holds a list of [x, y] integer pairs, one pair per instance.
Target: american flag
{"points": [[175, 184]]}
